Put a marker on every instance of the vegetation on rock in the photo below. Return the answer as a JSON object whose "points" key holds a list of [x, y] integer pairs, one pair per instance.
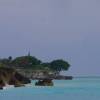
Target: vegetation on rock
{"points": [[31, 66], [30, 62]]}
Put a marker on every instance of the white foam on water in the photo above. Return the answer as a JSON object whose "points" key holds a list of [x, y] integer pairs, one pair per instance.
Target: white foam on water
{"points": [[8, 86]]}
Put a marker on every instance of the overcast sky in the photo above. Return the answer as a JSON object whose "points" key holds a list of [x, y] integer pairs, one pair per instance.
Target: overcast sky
{"points": [[52, 29]]}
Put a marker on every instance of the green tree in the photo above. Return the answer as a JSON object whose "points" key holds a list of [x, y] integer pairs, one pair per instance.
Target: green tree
{"points": [[26, 61], [59, 65], [10, 58]]}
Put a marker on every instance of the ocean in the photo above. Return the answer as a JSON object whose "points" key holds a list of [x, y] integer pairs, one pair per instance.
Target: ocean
{"points": [[76, 89]]}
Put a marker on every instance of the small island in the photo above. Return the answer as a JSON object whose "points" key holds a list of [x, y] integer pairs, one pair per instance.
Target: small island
{"points": [[21, 70]]}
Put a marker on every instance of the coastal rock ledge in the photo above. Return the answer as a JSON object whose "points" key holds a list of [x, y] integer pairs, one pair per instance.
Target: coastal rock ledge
{"points": [[44, 82], [9, 76]]}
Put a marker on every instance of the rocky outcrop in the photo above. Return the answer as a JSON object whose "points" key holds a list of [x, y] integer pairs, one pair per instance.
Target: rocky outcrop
{"points": [[44, 82], [41, 74], [12, 77]]}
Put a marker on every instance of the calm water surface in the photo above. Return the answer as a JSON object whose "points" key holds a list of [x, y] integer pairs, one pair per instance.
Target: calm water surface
{"points": [[76, 89]]}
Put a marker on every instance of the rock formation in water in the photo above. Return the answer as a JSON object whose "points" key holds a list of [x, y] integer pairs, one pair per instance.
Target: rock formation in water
{"points": [[12, 77], [44, 82]]}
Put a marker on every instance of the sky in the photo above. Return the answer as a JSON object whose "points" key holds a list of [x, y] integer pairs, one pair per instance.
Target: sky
{"points": [[53, 29]]}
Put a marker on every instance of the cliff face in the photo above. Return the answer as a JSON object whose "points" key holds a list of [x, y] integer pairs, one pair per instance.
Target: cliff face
{"points": [[41, 74], [34, 74], [12, 77]]}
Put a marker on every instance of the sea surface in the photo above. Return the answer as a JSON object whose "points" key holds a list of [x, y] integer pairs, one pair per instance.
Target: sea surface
{"points": [[76, 89]]}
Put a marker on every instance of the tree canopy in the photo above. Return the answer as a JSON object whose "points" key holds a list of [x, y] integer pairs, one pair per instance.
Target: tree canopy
{"points": [[26, 61], [59, 65], [34, 63]]}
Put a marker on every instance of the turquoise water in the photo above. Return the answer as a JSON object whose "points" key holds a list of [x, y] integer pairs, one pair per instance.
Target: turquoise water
{"points": [[76, 89]]}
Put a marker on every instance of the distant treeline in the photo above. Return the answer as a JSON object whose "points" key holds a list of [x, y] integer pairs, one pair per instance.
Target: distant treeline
{"points": [[31, 62]]}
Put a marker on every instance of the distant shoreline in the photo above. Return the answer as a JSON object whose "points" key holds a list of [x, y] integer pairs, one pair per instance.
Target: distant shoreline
{"points": [[86, 77]]}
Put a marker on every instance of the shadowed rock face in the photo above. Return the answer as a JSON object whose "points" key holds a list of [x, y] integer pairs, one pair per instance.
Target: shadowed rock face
{"points": [[12, 77], [44, 82]]}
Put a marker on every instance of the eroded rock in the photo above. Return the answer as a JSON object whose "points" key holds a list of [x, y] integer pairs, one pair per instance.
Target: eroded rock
{"points": [[44, 82], [12, 77]]}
